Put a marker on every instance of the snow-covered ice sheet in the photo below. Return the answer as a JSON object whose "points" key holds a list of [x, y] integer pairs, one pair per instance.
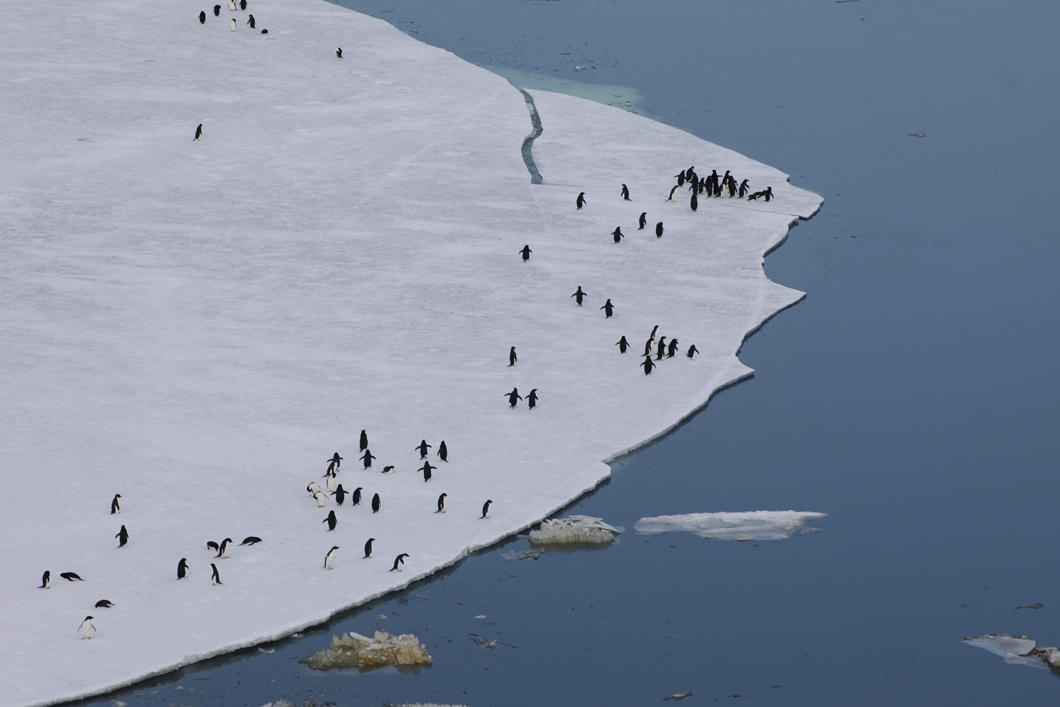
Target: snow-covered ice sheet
{"points": [[747, 525], [199, 324]]}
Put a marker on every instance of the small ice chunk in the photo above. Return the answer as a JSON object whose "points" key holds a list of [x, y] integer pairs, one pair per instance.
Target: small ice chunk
{"points": [[1013, 649], [574, 530], [747, 525], [352, 650]]}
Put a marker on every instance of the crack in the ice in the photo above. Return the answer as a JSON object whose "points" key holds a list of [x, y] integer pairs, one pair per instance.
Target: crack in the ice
{"points": [[528, 141]]}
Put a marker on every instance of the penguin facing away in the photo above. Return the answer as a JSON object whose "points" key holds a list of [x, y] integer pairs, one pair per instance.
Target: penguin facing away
{"points": [[531, 399], [115, 504], [329, 559], [242, 4], [122, 536], [355, 497], [658, 230], [368, 548], [692, 351], [579, 295], [86, 628], [215, 576], [617, 234], [642, 221], [671, 348], [580, 202], [45, 579], [399, 561], [525, 252], [202, 17], [182, 568], [364, 440], [486, 508], [427, 468], [368, 457], [340, 494], [512, 357], [375, 503], [422, 448], [103, 604], [513, 397], [250, 21], [443, 452], [648, 365], [608, 308], [216, 10], [441, 503], [331, 520], [198, 132]]}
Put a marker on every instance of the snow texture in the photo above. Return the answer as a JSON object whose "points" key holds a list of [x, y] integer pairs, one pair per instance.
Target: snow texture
{"points": [[199, 324], [749, 525]]}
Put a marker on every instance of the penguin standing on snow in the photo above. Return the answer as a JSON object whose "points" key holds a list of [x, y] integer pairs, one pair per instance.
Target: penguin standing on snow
{"points": [[671, 348], [579, 295], [332, 482], [692, 351], [648, 364], [647, 347], [250, 21], [340, 494], [427, 468], [367, 457], [338, 52], [658, 230], [329, 559], [512, 357], [531, 399], [422, 447], [222, 549], [86, 628], [608, 308], [642, 221], [368, 548], [182, 568], [513, 397], [625, 193], [231, 6], [693, 203], [661, 349], [198, 132], [441, 503], [375, 503], [122, 536], [443, 452], [202, 17], [580, 202], [331, 520], [334, 463], [486, 508], [355, 497], [215, 576], [115, 504], [617, 234], [744, 188], [399, 561], [242, 4], [525, 252], [46, 578], [232, 25], [216, 10], [671, 197], [363, 441], [622, 345]]}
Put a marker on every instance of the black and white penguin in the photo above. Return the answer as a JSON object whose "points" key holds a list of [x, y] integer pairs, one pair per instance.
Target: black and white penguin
{"points": [[202, 17], [312, 487], [375, 503], [320, 498], [363, 441], [654, 331], [232, 25], [671, 197], [579, 295], [680, 177], [355, 497], [580, 202], [367, 457], [690, 171], [329, 559], [115, 504], [513, 397], [525, 252], [617, 234], [692, 351], [512, 357], [661, 348], [231, 5], [198, 132], [71, 576], [216, 10], [441, 503], [122, 536], [45, 579], [332, 483], [399, 561], [648, 364], [443, 452], [103, 604], [182, 568], [671, 348], [531, 399], [744, 188], [251, 540], [693, 203], [86, 628], [338, 52], [768, 193], [340, 494], [335, 462], [647, 347], [331, 520], [622, 345], [658, 230], [215, 576], [222, 549], [642, 221], [486, 508], [625, 193], [250, 21], [368, 548], [608, 308], [388, 469], [427, 468], [422, 448], [211, 545]]}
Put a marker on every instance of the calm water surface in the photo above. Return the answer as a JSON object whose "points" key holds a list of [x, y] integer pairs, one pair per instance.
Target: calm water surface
{"points": [[911, 396]]}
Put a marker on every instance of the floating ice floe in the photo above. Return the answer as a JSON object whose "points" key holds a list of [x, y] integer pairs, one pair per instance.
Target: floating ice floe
{"points": [[352, 650], [1020, 650], [748, 525], [574, 530]]}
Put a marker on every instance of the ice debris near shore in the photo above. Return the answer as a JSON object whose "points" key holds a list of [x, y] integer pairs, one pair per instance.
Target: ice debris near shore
{"points": [[352, 650], [1018, 649], [747, 525], [574, 530]]}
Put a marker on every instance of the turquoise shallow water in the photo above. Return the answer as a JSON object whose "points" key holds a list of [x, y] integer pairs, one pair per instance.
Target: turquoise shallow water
{"points": [[910, 396]]}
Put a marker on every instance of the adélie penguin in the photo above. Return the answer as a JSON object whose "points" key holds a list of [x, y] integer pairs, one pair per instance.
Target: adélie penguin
{"points": [[86, 628], [399, 561], [329, 559]]}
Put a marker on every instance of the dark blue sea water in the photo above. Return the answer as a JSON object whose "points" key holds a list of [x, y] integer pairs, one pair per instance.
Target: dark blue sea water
{"points": [[911, 396]]}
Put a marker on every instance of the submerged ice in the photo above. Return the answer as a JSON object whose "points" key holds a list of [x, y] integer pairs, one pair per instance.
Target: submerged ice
{"points": [[748, 525]]}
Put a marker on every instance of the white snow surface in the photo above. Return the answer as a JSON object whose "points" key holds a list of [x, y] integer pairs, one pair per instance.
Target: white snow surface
{"points": [[198, 325], [744, 525]]}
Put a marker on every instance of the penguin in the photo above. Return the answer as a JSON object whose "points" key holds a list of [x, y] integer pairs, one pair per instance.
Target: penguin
{"points": [[680, 177], [332, 483], [335, 462], [251, 540], [355, 497], [443, 452], [232, 25], [671, 197], [531, 398], [320, 498], [622, 345], [329, 559], [216, 10], [625, 193], [364, 441], [642, 221], [486, 508], [340, 494], [45, 579], [513, 397], [693, 203], [211, 545], [115, 504], [423, 447], [744, 188], [338, 52], [86, 628], [579, 295], [103, 604], [671, 348], [388, 469], [441, 503], [512, 357], [617, 234], [367, 457], [692, 351], [202, 17], [768, 194], [608, 308], [427, 469], [312, 487], [242, 4], [71, 576], [398, 562], [525, 252], [368, 548], [182, 568], [658, 230], [231, 6], [222, 550], [732, 187], [661, 348], [215, 576], [754, 197], [264, 31], [122, 536], [375, 503], [690, 171], [580, 202], [250, 21], [198, 132], [648, 364], [654, 331], [647, 347], [331, 520]]}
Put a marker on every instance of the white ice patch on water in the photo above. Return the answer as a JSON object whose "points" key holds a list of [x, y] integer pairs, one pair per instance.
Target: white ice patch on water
{"points": [[573, 530], [747, 525], [1019, 650]]}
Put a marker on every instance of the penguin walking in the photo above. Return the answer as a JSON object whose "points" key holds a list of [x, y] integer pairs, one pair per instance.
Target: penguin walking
{"points": [[86, 628], [331, 520], [71, 576], [329, 559], [232, 25], [427, 468], [608, 308], [251, 540], [399, 561], [368, 457], [617, 234], [355, 497], [332, 483], [363, 442], [680, 177], [744, 188], [671, 348], [103, 604], [579, 295], [198, 132], [202, 17], [338, 52], [215, 576], [658, 230], [525, 252], [625, 193], [340, 494], [512, 357], [222, 549], [513, 397], [216, 10], [654, 331], [46, 579], [661, 350], [622, 345], [441, 503], [693, 203], [250, 21], [580, 201], [334, 463], [531, 399], [368, 548], [642, 221], [182, 568], [122, 536], [422, 447], [647, 347], [648, 365], [115, 504], [375, 503], [671, 197], [443, 452], [692, 351], [486, 508], [768, 194]]}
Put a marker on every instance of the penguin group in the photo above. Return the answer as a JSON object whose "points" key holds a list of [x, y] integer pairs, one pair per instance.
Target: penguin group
{"points": [[716, 186], [240, 6]]}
